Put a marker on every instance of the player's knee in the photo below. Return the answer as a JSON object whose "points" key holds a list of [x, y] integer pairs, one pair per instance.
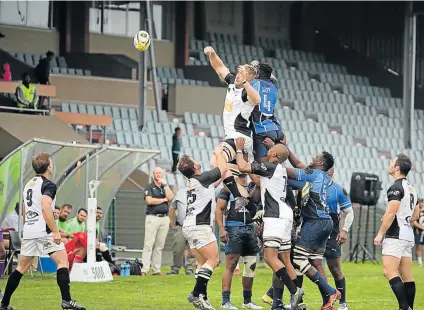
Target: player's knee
{"points": [[249, 266], [301, 260], [231, 264]]}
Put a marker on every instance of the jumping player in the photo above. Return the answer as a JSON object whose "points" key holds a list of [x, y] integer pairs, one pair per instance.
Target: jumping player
{"points": [[197, 224], [240, 240], [398, 233], [241, 98], [263, 122], [40, 233], [277, 216]]}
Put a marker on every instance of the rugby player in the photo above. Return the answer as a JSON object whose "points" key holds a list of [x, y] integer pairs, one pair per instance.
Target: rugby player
{"points": [[240, 100], [419, 231], [40, 233], [316, 222], [338, 202], [263, 122], [398, 233], [240, 240], [197, 226], [277, 216]]}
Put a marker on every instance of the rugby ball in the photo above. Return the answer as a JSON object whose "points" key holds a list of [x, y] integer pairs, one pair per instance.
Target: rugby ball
{"points": [[142, 40]]}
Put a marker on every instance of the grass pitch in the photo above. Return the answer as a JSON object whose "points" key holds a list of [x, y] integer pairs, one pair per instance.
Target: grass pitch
{"points": [[366, 289]]}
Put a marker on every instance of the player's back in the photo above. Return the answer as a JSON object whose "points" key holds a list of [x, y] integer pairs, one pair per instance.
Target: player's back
{"points": [[403, 191], [263, 119], [35, 226], [201, 198], [237, 110]]}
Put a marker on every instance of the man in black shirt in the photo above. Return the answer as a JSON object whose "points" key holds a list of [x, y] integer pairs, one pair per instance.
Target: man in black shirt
{"points": [[176, 148], [240, 241], [157, 196], [42, 71]]}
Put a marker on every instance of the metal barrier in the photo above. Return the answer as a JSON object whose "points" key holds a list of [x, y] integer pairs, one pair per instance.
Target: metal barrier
{"points": [[75, 165]]}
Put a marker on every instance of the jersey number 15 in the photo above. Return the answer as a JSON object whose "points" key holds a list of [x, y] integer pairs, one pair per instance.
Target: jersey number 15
{"points": [[191, 197]]}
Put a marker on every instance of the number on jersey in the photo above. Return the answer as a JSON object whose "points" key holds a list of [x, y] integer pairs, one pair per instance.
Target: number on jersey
{"points": [[29, 198]]}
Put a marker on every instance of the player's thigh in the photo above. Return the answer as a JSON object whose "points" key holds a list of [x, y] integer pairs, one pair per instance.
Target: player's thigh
{"points": [[202, 239], [259, 148], [332, 249]]}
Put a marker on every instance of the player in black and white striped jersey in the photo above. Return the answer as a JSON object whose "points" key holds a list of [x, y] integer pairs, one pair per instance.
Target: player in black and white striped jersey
{"points": [[197, 226], [398, 234]]}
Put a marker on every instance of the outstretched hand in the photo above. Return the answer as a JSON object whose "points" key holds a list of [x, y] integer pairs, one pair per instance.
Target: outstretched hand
{"points": [[208, 50]]}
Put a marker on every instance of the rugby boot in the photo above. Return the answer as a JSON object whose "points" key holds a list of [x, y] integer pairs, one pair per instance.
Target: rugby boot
{"points": [[331, 301], [267, 299], [190, 297], [343, 306], [72, 304], [2, 307], [228, 305], [251, 305], [296, 298]]}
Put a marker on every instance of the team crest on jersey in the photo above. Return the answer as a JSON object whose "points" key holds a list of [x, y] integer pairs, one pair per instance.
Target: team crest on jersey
{"points": [[31, 214], [228, 106]]}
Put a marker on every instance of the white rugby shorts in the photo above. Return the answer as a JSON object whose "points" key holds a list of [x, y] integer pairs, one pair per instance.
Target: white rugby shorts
{"points": [[248, 143], [397, 247], [40, 246], [198, 236], [277, 233]]}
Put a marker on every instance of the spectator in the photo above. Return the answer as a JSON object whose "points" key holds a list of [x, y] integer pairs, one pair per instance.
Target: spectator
{"points": [[179, 206], [61, 222], [77, 224], [26, 93], [176, 148], [6, 76], [157, 196], [102, 247], [56, 212], [42, 71]]}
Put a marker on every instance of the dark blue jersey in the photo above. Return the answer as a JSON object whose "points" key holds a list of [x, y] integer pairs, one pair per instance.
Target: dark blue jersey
{"points": [[263, 119]]}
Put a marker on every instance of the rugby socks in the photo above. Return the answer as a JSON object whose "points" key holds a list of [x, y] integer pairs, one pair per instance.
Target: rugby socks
{"points": [[230, 182], [341, 287], [225, 297], [203, 278], [247, 297], [284, 276], [398, 289], [64, 283], [270, 292], [11, 286], [324, 287], [277, 292], [299, 281], [410, 293]]}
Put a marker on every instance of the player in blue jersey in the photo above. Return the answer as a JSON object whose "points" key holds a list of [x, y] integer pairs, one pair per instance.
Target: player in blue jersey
{"points": [[339, 205], [263, 122], [317, 224]]}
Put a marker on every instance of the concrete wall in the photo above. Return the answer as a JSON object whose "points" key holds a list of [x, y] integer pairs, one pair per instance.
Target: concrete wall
{"points": [[96, 89]]}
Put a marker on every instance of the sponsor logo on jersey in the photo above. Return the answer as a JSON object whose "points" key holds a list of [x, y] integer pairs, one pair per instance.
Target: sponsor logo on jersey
{"points": [[394, 193], [31, 214]]}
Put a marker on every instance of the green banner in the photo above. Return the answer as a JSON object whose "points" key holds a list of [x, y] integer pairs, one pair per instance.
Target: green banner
{"points": [[10, 171]]}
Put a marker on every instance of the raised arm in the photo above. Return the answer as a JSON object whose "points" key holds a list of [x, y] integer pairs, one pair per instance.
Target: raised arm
{"points": [[242, 164], [296, 162], [221, 162], [216, 62]]}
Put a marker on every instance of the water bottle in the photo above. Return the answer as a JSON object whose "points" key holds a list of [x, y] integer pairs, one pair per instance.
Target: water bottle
{"points": [[127, 270], [109, 241], [122, 273]]}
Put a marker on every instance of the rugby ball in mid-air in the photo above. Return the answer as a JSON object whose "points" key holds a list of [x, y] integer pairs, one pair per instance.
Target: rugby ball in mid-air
{"points": [[142, 40]]}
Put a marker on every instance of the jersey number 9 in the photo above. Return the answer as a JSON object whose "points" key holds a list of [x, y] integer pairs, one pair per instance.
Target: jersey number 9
{"points": [[29, 197]]}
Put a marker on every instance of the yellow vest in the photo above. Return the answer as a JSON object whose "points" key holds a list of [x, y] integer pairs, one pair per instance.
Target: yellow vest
{"points": [[28, 94]]}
